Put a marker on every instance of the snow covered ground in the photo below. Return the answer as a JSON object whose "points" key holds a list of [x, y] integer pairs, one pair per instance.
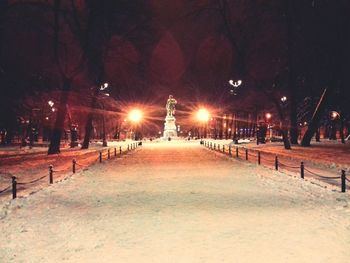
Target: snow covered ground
{"points": [[329, 154], [178, 202], [30, 164]]}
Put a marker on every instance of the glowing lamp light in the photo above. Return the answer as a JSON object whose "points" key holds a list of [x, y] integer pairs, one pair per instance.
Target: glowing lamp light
{"points": [[53, 109], [268, 116], [334, 115], [135, 115], [203, 115], [235, 83], [284, 99], [51, 103], [104, 86]]}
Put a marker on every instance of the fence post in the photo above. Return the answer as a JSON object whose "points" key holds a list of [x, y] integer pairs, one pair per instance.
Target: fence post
{"points": [[100, 157], [302, 170], [276, 163], [218, 147], [259, 158], [343, 183], [115, 152], [246, 154], [14, 187], [74, 162], [223, 148], [128, 147], [230, 150], [120, 150], [109, 154], [211, 146], [214, 146], [51, 174], [236, 151]]}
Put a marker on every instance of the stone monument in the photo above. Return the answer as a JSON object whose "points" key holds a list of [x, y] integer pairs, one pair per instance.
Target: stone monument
{"points": [[169, 125]]}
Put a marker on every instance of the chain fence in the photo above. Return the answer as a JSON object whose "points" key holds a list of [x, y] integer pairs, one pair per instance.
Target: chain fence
{"points": [[268, 160], [105, 154]]}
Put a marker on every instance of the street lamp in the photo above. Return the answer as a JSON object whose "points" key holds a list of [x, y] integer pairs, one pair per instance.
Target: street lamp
{"points": [[104, 86], [268, 116], [51, 103], [235, 85], [284, 99], [135, 116], [334, 115], [203, 116]]}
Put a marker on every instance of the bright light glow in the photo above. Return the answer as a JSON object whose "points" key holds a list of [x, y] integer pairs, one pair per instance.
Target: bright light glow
{"points": [[268, 116], [53, 109], [104, 86], [135, 115], [51, 103], [47, 118], [203, 115], [334, 115], [284, 99], [235, 84]]}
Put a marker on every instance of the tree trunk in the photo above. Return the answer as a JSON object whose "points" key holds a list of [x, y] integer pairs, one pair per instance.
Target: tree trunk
{"points": [[88, 125], [58, 129], [316, 117], [291, 76]]}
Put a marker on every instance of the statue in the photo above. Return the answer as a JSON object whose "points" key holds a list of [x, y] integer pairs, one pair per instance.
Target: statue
{"points": [[170, 130], [170, 106]]}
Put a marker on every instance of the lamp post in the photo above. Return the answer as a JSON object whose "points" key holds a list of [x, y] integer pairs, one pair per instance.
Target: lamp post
{"points": [[135, 116], [235, 85], [203, 117], [268, 117]]}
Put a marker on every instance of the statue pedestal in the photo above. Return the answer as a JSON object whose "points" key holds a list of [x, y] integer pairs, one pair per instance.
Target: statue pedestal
{"points": [[169, 128]]}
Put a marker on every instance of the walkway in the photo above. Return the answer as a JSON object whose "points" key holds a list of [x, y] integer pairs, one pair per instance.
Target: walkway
{"points": [[178, 202]]}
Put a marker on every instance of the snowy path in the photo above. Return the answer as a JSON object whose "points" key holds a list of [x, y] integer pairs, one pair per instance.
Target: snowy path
{"points": [[178, 202]]}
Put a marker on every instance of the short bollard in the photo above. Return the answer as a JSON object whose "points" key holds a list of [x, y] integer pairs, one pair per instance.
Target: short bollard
{"points": [[343, 181], [230, 150], [51, 174], [74, 162], [109, 154], [276, 163], [211, 145], [115, 152], [246, 154], [302, 170], [214, 146], [14, 187], [259, 158], [120, 150], [128, 147], [223, 148], [237, 152], [100, 157]]}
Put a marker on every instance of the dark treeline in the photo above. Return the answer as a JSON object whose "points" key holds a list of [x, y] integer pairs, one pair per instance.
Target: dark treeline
{"points": [[145, 51]]}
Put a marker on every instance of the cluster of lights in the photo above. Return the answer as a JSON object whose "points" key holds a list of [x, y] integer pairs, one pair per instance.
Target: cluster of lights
{"points": [[51, 103], [284, 99], [104, 86], [235, 85]]}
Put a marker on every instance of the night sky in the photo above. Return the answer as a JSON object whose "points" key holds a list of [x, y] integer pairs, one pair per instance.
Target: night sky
{"points": [[147, 50]]}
